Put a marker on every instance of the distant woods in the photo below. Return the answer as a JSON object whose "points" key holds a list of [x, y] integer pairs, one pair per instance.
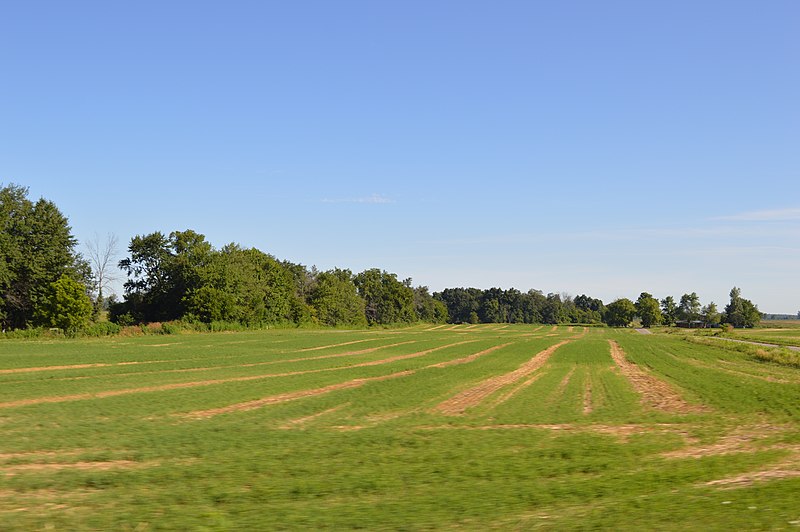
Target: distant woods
{"points": [[45, 282], [180, 276]]}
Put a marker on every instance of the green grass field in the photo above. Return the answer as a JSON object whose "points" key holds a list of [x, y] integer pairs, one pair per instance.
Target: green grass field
{"points": [[468, 427]]}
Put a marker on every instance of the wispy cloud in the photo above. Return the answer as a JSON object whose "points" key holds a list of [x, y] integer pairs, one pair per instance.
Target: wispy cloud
{"points": [[373, 199], [774, 215]]}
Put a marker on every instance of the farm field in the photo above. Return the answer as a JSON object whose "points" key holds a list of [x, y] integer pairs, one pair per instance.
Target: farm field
{"points": [[781, 332], [470, 426]]}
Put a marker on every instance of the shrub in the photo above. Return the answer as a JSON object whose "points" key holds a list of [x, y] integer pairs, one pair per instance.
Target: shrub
{"points": [[103, 328]]}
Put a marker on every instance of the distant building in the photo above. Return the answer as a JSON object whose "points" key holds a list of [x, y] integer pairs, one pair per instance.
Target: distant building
{"points": [[694, 324]]}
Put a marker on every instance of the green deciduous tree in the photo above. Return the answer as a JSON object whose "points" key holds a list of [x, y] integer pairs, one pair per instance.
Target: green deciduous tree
{"points": [[648, 310], [386, 299], [689, 307], [710, 315], [669, 310], [741, 312], [335, 299], [65, 305], [36, 249], [620, 312], [428, 309]]}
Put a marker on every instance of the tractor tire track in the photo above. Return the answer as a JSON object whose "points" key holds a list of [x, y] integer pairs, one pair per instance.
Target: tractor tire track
{"points": [[654, 392], [457, 404]]}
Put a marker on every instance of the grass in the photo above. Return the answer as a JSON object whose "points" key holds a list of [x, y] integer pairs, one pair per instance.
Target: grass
{"points": [[126, 440]]}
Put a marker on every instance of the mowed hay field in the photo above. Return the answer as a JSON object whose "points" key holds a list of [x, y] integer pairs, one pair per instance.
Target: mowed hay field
{"points": [[466, 427]]}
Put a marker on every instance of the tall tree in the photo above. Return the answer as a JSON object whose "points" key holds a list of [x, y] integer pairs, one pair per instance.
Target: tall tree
{"points": [[36, 249], [669, 310], [101, 255], [689, 308], [66, 306], [387, 300], [648, 310], [335, 299], [710, 315], [620, 313], [741, 312]]}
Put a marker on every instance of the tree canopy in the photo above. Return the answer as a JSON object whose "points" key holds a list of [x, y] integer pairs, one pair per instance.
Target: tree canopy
{"points": [[36, 250]]}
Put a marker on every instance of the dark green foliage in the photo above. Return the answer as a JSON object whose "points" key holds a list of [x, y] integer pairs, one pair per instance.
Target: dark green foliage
{"points": [[689, 307], [741, 312], [386, 299], [36, 249], [496, 305], [427, 308], [648, 310], [620, 313], [65, 306], [669, 310], [336, 300], [460, 302]]}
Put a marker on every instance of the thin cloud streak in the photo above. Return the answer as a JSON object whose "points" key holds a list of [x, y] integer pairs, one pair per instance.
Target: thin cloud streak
{"points": [[374, 199], [774, 215]]}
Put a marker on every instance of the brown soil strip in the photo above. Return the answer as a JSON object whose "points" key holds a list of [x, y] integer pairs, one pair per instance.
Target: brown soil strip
{"points": [[336, 355], [570, 329], [532, 333], [587, 396], [457, 404], [115, 464], [299, 422], [516, 389], [654, 392], [41, 454], [469, 358], [554, 328], [253, 364], [52, 368], [740, 440], [291, 396], [564, 382], [620, 431], [194, 384], [784, 470], [338, 345], [78, 366]]}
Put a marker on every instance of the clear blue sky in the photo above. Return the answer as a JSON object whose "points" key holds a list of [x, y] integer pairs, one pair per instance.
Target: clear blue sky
{"points": [[605, 148]]}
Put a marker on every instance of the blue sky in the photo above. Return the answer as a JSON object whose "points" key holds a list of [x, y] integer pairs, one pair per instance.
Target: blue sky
{"points": [[606, 148]]}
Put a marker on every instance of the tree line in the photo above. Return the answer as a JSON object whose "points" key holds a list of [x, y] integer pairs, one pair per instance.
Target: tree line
{"points": [[46, 282]]}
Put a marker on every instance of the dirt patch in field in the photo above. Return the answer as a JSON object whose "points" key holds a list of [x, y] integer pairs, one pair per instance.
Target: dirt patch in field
{"points": [[623, 432], [742, 439], [38, 455], [194, 384], [655, 393], [291, 396], [410, 355], [784, 470], [457, 404], [11, 470], [564, 382], [299, 422], [587, 396], [338, 345], [469, 358]]}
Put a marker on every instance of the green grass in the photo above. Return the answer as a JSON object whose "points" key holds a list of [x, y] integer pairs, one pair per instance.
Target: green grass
{"points": [[573, 447]]}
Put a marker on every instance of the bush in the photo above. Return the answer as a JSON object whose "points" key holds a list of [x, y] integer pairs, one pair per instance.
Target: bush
{"points": [[103, 328]]}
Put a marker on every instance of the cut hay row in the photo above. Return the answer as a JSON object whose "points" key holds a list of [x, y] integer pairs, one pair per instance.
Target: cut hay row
{"points": [[457, 404], [655, 393]]}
